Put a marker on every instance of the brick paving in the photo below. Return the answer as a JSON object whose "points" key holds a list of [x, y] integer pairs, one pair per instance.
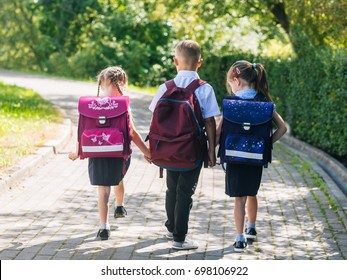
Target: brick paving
{"points": [[52, 215]]}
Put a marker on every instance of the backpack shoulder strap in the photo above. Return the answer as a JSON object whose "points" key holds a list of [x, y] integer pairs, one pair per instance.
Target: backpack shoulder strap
{"points": [[170, 84], [195, 84], [232, 97]]}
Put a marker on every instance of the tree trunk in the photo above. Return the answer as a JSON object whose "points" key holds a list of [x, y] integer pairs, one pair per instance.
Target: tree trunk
{"points": [[281, 17]]}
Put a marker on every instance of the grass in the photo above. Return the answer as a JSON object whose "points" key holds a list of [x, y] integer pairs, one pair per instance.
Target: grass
{"points": [[26, 122], [150, 90]]}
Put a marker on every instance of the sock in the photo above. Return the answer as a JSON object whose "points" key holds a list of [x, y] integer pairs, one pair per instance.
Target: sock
{"points": [[240, 237], [105, 226], [249, 225]]}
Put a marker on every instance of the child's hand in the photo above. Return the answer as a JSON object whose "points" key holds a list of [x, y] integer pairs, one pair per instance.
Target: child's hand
{"points": [[73, 156], [211, 158], [147, 158]]}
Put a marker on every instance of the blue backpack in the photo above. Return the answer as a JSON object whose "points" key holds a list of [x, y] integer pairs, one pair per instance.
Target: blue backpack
{"points": [[246, 136]]}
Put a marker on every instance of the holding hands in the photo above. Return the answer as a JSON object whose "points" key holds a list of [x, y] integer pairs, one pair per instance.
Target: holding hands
{"points": [[73, 155]]}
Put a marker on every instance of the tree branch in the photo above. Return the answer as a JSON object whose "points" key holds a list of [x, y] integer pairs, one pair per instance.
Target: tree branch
{"points": [[278, 10]]}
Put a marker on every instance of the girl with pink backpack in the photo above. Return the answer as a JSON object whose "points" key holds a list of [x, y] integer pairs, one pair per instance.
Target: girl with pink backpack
{"points": [[107, 170]]}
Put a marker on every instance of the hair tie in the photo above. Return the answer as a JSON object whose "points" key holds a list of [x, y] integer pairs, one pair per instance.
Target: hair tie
{"points": [[254, 66]]}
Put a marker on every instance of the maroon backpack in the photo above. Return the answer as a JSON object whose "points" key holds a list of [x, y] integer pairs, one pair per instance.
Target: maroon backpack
{"points": [[177, 137], [104, 127]]}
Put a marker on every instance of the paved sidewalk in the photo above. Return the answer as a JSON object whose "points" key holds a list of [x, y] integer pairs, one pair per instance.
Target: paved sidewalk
{"points": [[53, 214]]}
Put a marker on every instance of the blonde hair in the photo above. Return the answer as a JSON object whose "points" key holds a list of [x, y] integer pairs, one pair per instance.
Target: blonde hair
{"points": [[115, 75], [189, 51]]}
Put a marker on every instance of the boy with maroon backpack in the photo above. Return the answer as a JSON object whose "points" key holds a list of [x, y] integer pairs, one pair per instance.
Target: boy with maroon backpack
{"points": [[183, 110]]}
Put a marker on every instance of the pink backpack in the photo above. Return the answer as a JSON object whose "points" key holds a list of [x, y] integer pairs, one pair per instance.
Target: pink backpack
{"points": [[177, 137], [104, 127]]}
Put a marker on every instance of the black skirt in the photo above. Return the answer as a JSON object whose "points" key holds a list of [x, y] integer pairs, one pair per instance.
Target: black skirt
{"points": [[242, 180], [107, 171]]}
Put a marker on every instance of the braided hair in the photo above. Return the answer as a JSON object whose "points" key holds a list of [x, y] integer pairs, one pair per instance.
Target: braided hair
{"points": [[113, 74]]}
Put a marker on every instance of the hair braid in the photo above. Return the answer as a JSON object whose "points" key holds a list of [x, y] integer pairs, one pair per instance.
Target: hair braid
{"points": [[113, 74]]}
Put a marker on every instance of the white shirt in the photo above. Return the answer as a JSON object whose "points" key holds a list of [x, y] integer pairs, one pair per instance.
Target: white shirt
{"points": [[205, 93]]}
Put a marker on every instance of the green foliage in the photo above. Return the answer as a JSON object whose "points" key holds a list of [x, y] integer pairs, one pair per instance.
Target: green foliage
{"points": [[323, 21], [316, 100], [20, 103], [309, 92], [25, 120], [312, 94], [79, 38]]}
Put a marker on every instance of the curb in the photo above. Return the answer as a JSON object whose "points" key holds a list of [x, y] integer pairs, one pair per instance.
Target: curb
{"points": [[30, 163], [334, 168]]}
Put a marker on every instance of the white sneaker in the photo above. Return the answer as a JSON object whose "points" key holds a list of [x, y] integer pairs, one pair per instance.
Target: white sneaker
{"points": [[169, 235], [185, 245]]}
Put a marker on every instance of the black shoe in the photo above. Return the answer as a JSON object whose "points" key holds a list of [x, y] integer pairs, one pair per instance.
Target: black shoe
{"points": [[104, 234], [240, 246], [250, 233], [120, 212]]}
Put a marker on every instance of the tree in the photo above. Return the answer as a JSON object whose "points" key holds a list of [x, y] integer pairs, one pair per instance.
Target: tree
{"points": [[20, 39], [78, 38], [63, 21], [324, 22]]}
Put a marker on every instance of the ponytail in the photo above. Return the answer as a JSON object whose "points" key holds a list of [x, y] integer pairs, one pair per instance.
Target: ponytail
{"points": [[254, 74], [261, 84]]}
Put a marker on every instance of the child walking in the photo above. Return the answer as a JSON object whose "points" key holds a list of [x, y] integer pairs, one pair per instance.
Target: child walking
{"points": [[247, 81], [106, 172], [181, 184]]}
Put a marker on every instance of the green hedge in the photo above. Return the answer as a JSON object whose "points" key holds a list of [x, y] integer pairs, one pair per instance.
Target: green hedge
{"points": [[316, 100], [309, 92]]}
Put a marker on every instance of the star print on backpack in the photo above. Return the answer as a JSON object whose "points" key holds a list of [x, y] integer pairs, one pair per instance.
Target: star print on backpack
{"points": [[246, 136]]}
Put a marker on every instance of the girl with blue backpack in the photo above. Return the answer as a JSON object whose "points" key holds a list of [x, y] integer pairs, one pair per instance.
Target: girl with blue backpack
{"points": [[248, 82]]}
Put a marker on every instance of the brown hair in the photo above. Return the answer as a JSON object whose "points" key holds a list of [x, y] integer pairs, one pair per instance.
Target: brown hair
{"points": [[254, 74], [113, 74], [189, 51]]}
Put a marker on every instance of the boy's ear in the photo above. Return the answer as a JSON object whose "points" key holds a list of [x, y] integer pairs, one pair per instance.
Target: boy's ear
{"points": [[176, 61], [200, 62]]}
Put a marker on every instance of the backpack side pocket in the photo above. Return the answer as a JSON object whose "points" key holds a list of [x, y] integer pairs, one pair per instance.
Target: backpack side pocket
{"points": [[247, 149], [102, 142]]}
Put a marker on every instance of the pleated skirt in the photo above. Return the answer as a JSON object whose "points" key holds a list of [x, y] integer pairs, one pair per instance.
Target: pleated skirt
{"points": [[107, 171], [242, 180]]}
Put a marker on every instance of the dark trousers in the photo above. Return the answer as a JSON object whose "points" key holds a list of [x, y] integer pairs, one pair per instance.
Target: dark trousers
{"points": [[180, 189]]}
